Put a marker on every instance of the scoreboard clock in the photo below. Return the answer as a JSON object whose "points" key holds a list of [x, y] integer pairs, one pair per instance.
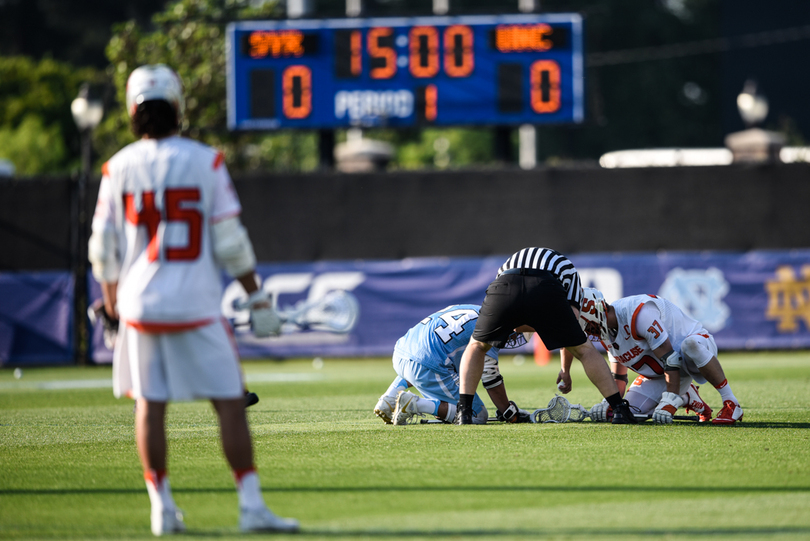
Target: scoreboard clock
{"points": [[400, 72]]}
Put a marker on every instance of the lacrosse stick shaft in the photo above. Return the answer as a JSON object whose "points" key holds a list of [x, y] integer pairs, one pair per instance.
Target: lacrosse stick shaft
{"points": [[440, 422]]}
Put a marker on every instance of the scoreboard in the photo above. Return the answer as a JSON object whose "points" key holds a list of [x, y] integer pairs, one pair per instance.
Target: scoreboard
{"points": [[401, 72]]}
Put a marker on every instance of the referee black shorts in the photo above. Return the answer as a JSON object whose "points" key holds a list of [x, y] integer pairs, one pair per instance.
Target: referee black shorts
{"points": [[536, 298]]}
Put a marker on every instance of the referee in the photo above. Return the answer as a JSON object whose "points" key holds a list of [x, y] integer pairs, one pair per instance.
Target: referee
{"points": [[538, 288]]}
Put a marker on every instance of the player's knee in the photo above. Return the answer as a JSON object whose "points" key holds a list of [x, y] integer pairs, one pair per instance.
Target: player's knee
{"points": [[481, 417], [694, 350]]}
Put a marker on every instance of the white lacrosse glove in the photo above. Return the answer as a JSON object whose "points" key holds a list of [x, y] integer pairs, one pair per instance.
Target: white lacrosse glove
{"points": [[599, 412], [669, 404], [264, 320]]}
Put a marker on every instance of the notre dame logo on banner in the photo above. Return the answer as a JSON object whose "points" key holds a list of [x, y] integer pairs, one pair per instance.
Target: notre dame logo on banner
{"points": [[789, 299]]}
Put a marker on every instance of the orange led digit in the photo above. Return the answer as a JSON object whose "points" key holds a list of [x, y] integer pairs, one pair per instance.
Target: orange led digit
{"points": [[431, 102], [458, 51], [296, 85], [383, 57], [424, 46], [545, 86], [356, 45]]}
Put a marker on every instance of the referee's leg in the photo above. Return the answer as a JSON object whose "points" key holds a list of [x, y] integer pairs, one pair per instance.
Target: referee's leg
{"points": [[595, 368], [471, 366]]}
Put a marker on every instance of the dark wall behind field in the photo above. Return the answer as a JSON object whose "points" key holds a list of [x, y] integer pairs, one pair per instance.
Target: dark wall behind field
{"points": [[466, 213]]}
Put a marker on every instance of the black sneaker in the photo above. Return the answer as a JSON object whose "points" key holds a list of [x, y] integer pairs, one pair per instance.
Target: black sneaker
{"points": [[463, 416], [622, 414], [250, 399]]}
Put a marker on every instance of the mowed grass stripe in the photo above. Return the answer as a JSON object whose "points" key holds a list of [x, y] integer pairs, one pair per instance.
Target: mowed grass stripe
{"points": [[70, 470]]}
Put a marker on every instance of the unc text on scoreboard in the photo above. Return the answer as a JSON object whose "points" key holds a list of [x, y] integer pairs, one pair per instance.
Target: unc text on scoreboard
{"points": [[398, 72]]}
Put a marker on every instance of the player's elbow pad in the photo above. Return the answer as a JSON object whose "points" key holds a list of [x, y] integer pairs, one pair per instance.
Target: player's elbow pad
{"points": [[102, 251], [232, 247], [492, 375]]}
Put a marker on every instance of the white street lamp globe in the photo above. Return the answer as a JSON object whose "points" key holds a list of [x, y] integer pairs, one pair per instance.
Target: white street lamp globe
{"points": [[87, 113]]}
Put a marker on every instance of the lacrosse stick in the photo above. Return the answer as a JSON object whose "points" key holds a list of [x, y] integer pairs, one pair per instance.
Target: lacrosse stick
{"points": [[560, 410], [440, 422], [337, 312]]}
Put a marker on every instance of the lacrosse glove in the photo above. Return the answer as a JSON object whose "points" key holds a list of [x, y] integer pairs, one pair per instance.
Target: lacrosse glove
{"points": [[264, 321], [601, 412], [513, 414], [97, 312], [670, 402]]}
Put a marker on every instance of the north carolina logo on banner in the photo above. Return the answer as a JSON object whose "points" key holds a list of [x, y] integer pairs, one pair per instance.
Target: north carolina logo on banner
{"points": [[789, 299], [700, 294]]}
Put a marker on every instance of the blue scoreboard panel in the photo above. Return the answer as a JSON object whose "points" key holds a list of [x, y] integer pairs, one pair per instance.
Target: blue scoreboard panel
{"points": [[399, 72]]}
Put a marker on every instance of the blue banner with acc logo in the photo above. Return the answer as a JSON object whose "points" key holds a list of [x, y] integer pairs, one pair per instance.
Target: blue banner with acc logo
{"points": [[751, 300]]}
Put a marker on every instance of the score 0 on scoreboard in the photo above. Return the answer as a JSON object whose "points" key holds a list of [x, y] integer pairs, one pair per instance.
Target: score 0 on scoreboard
{"points": [[399, 72]]}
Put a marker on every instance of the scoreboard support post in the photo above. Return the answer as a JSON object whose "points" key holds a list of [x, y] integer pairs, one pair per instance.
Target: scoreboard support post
{"points": [[502, 144], [326, 149]]}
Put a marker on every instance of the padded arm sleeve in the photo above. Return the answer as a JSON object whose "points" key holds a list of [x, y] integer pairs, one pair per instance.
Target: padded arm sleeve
{"points": [[491, 376], [232, 247], [102, 247], [102, 251]]}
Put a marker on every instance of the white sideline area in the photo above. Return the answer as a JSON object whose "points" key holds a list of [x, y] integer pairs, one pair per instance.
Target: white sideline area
{"points": [[66, 385]]}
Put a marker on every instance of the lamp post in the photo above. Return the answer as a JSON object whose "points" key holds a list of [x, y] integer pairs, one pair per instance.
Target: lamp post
{"points": [[87, 113], [754, 145], [753, 107]]}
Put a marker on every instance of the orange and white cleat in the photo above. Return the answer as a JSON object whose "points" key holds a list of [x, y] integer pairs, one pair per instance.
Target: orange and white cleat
{"points": [[696, 404], [730, 414]]}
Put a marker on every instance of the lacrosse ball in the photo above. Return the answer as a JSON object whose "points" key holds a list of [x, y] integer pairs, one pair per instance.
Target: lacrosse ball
{"points": [[317, 363], [18, 373]]}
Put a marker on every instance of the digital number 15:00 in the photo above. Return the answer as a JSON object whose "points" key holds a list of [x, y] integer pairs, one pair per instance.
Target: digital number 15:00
{"points": [[425, 52]]}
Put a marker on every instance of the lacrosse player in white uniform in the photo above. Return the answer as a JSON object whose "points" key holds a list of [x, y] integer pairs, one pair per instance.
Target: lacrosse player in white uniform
{"points": [[166, 220], [427, 358], [668, 349]]}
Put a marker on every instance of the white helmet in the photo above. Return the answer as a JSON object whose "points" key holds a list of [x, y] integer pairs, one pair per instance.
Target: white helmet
{"points": [[593, 314], [155, 82]]}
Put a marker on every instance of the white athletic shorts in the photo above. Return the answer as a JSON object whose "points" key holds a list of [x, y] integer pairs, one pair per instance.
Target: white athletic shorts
{"points": [[177, 366], [645, 393]]}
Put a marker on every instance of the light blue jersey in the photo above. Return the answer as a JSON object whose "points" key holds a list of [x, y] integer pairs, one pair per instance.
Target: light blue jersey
{"points": [[439, 340]]}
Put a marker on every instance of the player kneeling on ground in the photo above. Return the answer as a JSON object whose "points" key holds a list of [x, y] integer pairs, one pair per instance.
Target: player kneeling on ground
{"points": [[668, 349], [427, 358], [166, 219]]}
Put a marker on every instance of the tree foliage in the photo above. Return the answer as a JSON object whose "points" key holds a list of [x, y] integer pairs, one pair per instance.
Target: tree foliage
{"points": [[629, 104], [189, 36], [37, 132]]}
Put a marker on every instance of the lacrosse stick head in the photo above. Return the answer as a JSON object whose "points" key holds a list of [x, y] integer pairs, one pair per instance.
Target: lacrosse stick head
{"points": [[560, 410], [593, 315], [557, 411], [337, 311]]}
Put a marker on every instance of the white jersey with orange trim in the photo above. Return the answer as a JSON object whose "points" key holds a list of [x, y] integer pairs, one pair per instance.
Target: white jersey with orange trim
{"points": [[645, 322], [161, 196]]}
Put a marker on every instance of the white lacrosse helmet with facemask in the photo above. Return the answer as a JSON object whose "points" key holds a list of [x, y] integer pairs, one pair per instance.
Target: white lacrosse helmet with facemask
{"points": [[155, 82], [593, 314]]}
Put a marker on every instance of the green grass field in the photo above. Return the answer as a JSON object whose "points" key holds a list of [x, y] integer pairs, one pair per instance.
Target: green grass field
{"points": [[70, 469]]}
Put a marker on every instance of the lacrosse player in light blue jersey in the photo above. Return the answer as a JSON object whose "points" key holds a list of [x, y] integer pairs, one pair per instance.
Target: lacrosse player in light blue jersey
{"points": [[427, 358]]}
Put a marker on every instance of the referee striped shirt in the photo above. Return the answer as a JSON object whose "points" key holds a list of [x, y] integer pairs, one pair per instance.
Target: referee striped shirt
{"points": [[552, 261]]}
